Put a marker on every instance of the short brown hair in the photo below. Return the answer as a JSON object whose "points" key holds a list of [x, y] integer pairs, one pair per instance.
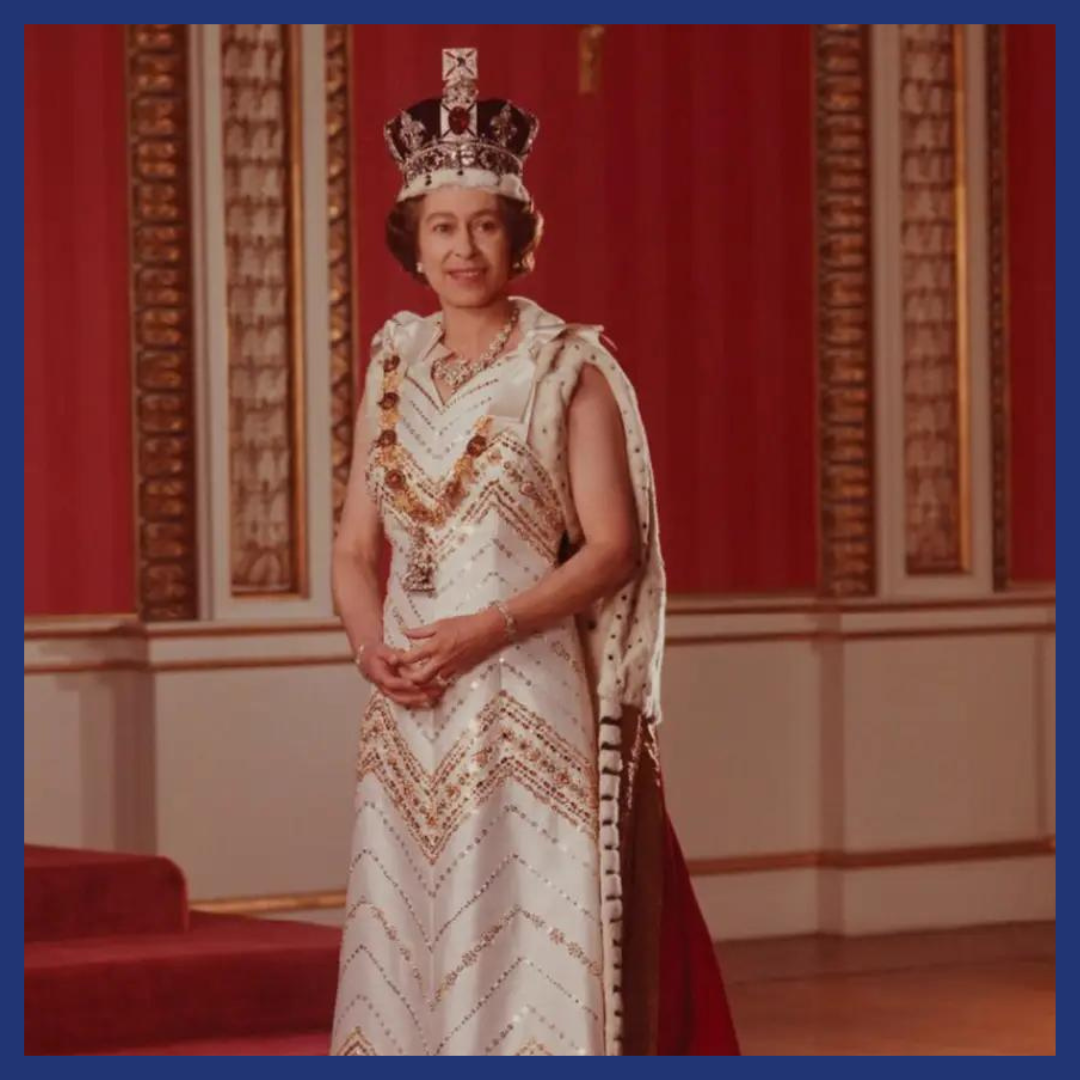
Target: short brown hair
{"points": [[523, 221]]}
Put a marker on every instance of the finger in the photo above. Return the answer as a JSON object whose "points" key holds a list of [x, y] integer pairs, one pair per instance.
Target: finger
{"points": [[420, 653], [420, 631], [389, 655], [424, 689], [426, 673], [429, 674], [389, 680]]}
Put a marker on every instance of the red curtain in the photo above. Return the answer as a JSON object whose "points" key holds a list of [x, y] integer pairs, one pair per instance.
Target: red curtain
{"points": [[1029, 125], [79, 528], [679, 206]]}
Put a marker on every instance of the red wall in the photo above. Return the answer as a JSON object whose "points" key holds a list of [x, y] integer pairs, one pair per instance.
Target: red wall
{"points": [[79, 530], [679, 207], [1029, 123]]}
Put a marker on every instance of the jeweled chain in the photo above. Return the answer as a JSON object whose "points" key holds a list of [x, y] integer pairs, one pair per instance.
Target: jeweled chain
{"points": [[390, 457], [456, 370]]}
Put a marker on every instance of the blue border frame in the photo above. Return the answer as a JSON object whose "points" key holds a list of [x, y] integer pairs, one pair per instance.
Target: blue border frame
{"points": [[11, 427]]}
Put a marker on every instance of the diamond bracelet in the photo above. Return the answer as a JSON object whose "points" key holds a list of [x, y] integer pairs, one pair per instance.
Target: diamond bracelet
{"points": [[511, 622]]}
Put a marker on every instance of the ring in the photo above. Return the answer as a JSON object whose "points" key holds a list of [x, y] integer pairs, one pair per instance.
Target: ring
{"points": [[443, 681]]}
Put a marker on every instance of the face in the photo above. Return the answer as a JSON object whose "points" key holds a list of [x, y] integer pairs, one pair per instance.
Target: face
{"points": [[463, 246]]}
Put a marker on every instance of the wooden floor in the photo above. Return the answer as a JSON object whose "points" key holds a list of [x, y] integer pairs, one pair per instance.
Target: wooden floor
{"points": [[988, 990]]}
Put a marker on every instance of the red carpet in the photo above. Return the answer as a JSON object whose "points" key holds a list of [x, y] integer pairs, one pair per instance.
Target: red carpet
{"points": [[115, 963], [72, 893]]}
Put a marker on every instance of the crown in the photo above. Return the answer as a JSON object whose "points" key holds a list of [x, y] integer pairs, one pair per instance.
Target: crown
{"points": [[457, 139]]}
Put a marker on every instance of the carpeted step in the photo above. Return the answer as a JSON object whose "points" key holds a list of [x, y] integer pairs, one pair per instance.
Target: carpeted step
{"points": [[228, 976], [315, 1044], [69, 893]]}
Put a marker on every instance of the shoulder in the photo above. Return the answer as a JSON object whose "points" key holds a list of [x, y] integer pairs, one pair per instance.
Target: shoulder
{"points": [[403, 333], [592, 401], [590, 360]]}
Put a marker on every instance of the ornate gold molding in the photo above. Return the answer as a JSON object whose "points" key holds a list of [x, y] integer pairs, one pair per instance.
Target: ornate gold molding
{"points": [[844, 304], [999, 296], [343, 391], [161, 300], [262, 178], [937, 496]]}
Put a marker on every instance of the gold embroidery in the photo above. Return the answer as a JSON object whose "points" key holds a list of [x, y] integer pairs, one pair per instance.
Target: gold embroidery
{"points": [[534, 1048], [544, 534], [392, 933], [390, 456], [356, 1045], [542, 494], [507, 741], [521, 960], [535, 1017], [561, 651], [489, 935]]}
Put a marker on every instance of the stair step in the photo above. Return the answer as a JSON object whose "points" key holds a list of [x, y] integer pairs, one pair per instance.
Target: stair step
{"points": [[70, 893], [227, 976], [313, 1044]]}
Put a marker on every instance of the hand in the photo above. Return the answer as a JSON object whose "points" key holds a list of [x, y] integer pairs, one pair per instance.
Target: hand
{"points": [[449, 647], [380, 664]]}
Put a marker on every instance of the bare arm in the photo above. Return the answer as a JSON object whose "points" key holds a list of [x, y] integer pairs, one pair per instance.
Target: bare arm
{"points": [[603, 494], [355, 561]]}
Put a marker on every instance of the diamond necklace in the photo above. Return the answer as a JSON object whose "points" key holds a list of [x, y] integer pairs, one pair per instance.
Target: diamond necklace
{"points": [[456, 370]]}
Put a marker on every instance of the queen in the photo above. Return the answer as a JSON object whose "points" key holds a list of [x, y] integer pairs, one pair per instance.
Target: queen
{"points": [[514, 884]]}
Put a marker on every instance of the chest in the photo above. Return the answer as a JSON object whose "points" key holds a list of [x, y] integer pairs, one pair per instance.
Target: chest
{"points": [[433, 446]]}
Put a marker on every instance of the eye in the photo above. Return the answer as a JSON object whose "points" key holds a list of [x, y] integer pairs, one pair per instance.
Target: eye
{"points": [[441, 226]]}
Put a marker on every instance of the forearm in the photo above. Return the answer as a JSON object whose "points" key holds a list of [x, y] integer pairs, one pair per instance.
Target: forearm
{"points": [[594, 571], [358, 598]]}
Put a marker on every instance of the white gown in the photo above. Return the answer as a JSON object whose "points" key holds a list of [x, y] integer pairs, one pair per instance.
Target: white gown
{"points": [[473, 919]]}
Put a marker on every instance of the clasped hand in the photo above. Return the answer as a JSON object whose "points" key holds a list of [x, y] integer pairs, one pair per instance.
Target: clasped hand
{"points": [[418, 677]]}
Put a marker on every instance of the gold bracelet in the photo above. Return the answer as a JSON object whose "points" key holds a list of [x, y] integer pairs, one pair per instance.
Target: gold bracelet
{"points": [[511, 622]]}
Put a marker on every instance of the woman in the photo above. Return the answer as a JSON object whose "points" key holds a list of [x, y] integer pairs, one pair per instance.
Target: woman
{"points": [[514, 880]]}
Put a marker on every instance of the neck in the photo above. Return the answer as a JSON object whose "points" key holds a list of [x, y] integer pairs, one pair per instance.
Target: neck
{"points": [[468, 331]]}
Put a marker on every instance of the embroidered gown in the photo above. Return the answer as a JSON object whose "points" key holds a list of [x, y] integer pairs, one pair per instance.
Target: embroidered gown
{"points": [[475, 913]]}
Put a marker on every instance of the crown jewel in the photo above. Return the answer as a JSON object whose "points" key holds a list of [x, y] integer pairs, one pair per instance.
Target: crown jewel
{"points": [[459, 139]]}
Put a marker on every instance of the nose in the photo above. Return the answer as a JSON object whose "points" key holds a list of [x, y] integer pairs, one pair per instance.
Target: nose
{"points": [[464, 243]]}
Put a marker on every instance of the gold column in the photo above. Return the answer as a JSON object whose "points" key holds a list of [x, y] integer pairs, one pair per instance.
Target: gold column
{"points": [[262, 174], [844, 304], [999, 308], [161, 303], [937, 507], [343, 391]]}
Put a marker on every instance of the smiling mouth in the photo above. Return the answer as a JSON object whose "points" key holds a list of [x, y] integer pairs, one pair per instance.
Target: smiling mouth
{"points": [[467, 275]]}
